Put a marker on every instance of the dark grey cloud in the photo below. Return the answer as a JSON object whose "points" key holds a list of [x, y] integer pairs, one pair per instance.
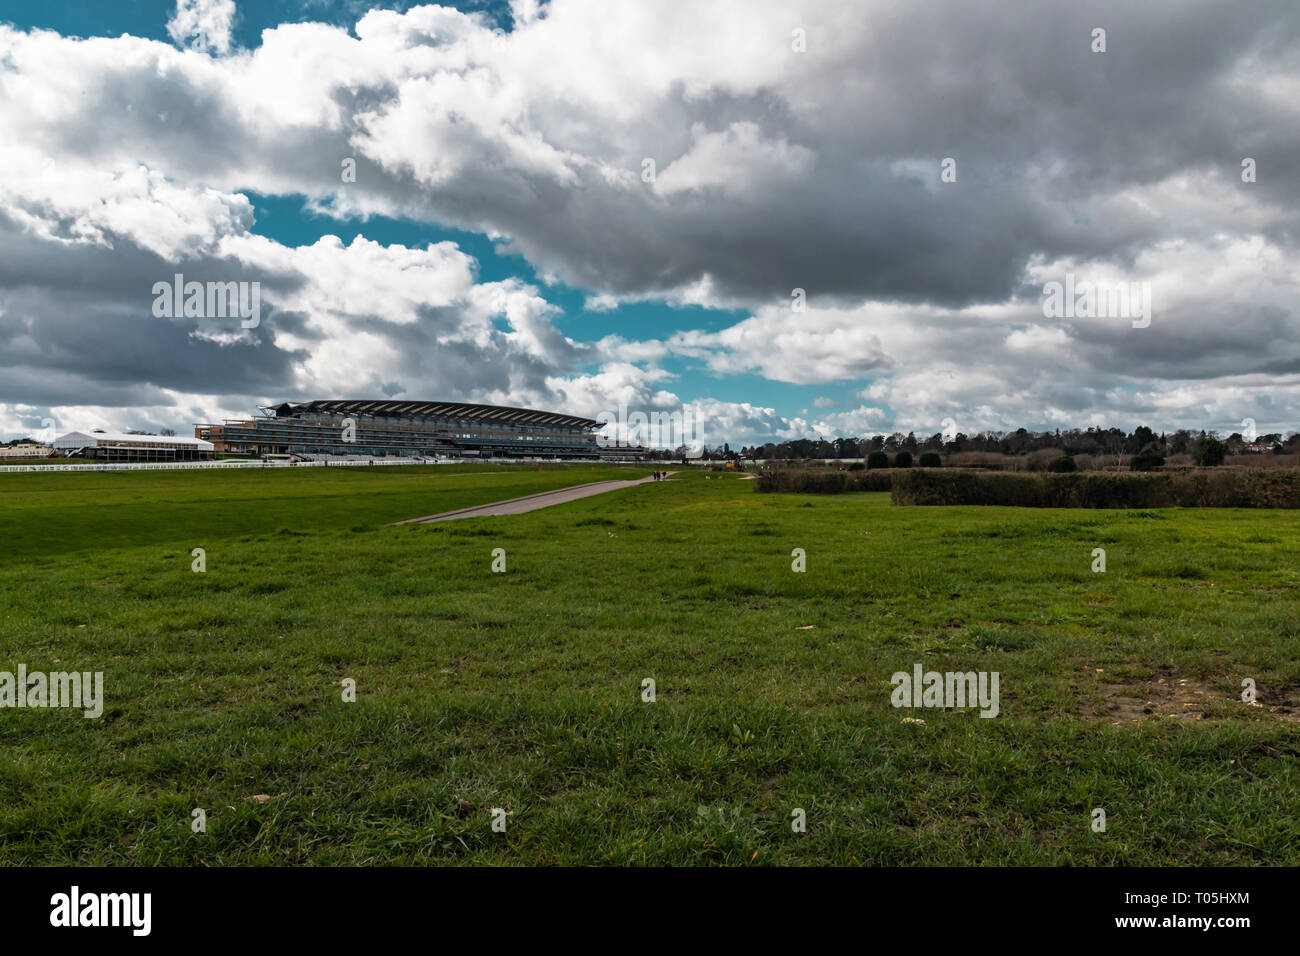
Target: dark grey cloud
{"points": [[77, 327], [1047, 136], [1045, 133]]}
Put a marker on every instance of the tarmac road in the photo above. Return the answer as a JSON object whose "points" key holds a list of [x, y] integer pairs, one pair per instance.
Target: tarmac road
{"points": [[518, 506]]}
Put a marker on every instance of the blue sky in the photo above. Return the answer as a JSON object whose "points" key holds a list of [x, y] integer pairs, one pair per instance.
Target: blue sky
{"points": [[286, 218], [793, 148]]}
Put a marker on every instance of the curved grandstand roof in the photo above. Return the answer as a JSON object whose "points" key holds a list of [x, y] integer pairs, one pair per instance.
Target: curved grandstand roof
{"points": [[493, 414]]}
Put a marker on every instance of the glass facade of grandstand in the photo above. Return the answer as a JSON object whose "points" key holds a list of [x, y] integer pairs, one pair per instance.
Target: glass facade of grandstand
{"points": [[411, 429]]}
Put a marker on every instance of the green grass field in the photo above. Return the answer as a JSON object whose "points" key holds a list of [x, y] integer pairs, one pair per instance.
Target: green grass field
{"points": [[523, 690]]}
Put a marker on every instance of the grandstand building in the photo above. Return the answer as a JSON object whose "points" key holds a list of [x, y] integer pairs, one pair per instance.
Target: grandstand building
{"points": [[119, 446], [381, 428], [25, 448]]}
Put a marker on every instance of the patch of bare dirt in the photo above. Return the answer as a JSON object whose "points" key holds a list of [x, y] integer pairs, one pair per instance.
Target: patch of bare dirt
{"points": [[1173, 695]]}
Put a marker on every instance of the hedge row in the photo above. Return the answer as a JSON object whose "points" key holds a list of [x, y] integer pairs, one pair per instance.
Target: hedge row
{"points": [[823, 482], [1206, 488]]}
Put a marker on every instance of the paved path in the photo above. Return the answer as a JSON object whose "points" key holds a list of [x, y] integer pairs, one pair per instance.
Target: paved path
{"points": [[517, 506]]}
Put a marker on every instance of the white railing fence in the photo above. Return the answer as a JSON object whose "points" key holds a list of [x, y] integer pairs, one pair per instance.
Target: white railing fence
{"points": [[353, 463]]}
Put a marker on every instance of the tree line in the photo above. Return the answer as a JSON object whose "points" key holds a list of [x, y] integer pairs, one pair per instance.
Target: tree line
{"points": [[1022, 441]]}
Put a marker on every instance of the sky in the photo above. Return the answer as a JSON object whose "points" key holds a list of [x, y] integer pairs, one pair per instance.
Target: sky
{"points": [[794, 219]]}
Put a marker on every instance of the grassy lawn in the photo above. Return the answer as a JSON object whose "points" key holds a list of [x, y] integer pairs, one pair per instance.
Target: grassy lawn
{"points": [[47, 515], [522, 690]]}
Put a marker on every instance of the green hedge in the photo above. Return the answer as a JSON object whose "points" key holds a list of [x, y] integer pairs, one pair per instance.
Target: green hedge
{"points": [[822, 482], [807, 481], [1220, 488], [1238, 488], [872, 481]]}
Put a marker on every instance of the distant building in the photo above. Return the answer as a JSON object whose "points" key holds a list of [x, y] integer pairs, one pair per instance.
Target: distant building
{"points": [[25, 449], [116, 446], [380, 428]]}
